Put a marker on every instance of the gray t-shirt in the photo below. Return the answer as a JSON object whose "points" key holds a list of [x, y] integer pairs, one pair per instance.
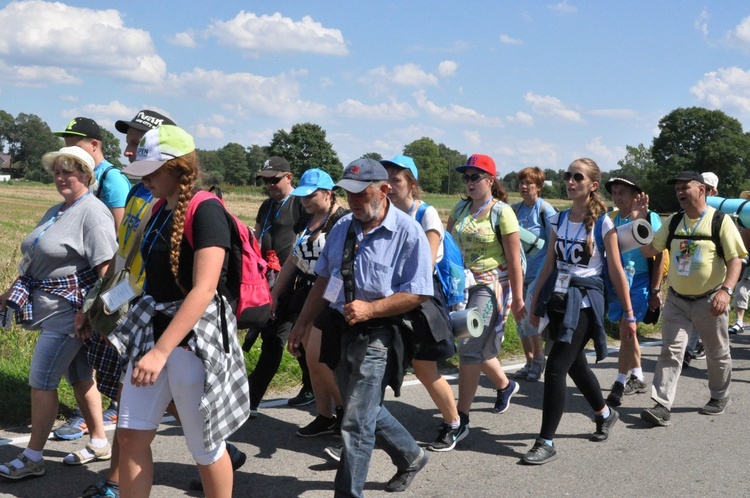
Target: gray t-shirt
{"points": [[80, 237]]}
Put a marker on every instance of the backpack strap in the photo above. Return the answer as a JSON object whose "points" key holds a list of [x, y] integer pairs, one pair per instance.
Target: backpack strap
{"points": [[347, 262], [715, 237], [598, 235], [101, 182], [716, 223], [195, 201], [420, 212]]}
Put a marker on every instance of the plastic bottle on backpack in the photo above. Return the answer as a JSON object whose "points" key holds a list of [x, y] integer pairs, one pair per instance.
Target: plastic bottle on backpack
{"points": [[630, 273]]}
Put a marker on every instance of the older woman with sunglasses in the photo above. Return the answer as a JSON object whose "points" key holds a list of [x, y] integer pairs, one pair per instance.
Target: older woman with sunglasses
{"points": [[571, 293], [491, 247]]}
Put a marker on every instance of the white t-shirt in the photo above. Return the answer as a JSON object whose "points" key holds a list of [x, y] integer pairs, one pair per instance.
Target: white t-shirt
{"points": [[431, 221], [572, 250]]}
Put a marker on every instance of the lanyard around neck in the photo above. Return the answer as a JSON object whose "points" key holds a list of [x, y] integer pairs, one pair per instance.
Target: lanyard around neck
{"points": [[569, 243], [266, 225], [55, 219]]}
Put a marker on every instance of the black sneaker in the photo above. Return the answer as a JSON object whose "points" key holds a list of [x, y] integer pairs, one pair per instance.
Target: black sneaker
{"points": [[339, 419], [615, 394], [448, 437], [700, 351], [540, 453], [318, 427], [686, 360], [403, 478], [304, 398], [334, 452], [635, 386], [657, 416], [504, 396], [604, 425], [714, 406]]}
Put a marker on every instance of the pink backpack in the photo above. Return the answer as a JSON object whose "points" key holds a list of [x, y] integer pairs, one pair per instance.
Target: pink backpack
{"points": [[246, 287]]}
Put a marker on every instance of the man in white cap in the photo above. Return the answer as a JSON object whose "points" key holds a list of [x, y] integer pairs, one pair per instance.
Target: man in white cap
{"points": [[376, 265]]}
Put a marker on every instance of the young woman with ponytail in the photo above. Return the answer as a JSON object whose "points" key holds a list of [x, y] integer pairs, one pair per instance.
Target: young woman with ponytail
{"points": [[572, 296], [180, 326]]}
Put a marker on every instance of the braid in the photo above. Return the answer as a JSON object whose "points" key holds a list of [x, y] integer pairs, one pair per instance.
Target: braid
{"points": [[595, 206], [187, 169], [330, 221]]}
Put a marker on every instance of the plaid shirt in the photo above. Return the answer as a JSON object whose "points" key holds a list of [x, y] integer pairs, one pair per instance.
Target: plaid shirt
{"points": [[73, 287], [225, 404]]}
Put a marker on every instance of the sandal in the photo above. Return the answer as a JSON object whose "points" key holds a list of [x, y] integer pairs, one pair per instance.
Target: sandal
{"points": [[94, 454], [29, 469]]}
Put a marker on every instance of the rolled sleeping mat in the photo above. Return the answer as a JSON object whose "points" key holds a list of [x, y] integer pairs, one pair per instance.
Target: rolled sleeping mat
{"points": [[634, 235], [467, 323], [530, 243], [739, 208]]}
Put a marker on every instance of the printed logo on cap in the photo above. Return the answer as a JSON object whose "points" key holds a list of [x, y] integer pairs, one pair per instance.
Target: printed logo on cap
{"points": [[148, 120], [354, 171], [267, 164], [71, 124]]}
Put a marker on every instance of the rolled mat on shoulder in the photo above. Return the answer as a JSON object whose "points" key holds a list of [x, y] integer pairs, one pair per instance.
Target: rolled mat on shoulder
{"points": [[530, 243], [467, 323], [634, 235], [739, 208]]}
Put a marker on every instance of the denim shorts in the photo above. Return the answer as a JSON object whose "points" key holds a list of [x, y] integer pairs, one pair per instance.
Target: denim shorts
{"points": [[56, 353]]}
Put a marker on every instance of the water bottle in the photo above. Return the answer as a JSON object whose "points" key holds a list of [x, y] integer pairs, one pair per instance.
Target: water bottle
{"points": [[630, 273]]}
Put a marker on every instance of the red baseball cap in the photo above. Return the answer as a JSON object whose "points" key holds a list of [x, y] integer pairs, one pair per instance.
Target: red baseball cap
{"points": [[480, 161]]}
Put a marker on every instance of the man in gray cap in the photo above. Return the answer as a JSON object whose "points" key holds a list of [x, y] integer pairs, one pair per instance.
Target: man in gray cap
{"points": [[376, 265], [702, 273]]}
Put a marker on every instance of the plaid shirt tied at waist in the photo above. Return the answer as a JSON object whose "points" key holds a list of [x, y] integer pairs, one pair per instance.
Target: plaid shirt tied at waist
{"points": [[225, 404], [73, 288]]}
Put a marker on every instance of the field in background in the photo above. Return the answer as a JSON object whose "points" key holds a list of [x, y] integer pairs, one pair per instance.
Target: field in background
{"points": [[22, 205]]}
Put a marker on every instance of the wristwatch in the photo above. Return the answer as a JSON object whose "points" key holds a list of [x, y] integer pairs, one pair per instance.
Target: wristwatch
{"points": [[655, 291], [727, 289]]}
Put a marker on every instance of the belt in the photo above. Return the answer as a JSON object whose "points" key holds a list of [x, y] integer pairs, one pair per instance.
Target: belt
{"points": [[692, 298]]}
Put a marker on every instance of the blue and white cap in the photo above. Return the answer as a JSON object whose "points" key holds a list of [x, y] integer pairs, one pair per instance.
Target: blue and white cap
{"points": [[312, 180]]}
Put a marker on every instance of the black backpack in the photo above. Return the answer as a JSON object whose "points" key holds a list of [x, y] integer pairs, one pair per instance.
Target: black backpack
{"points": [[715, 237]]}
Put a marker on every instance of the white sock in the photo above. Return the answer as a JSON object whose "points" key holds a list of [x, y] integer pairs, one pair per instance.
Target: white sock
{"points": [[606, 412], [98, 443], [622, 378], [456, 424], [638, 372]]}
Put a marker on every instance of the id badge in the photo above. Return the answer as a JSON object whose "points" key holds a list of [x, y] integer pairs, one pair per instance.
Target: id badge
{"points": [[301, 262], [118, 296], [333, 289], [23, 266], [562, 283], [683, 265]]}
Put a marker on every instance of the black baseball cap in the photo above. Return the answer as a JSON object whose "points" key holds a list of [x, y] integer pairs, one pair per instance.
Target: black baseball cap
{"points": [[145, 120], [81, 127], [687, 176], [273, 166]]}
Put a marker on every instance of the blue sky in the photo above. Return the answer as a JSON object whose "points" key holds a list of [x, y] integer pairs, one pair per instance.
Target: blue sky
{"points": [[529, 83]]}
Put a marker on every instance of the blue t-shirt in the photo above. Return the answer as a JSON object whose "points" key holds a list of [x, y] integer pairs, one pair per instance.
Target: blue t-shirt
{"points": [[640, 263], [114, 192], [393, 257], [529, 217]]}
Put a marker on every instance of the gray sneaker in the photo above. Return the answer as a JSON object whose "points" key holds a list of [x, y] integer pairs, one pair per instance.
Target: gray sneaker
{"points": [[659, 415], [635, 386], [715, 406]]}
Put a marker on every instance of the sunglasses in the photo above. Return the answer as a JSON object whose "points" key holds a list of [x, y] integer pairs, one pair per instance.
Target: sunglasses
{"points": [[473, 178], [273, 180], [578, 177]]}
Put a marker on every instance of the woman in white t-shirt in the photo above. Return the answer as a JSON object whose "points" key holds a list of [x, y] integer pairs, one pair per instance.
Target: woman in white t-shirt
{"points": [[405, 194], [572, 295]]}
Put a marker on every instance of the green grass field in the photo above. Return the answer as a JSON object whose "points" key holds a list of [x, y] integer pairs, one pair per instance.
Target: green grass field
{"points": [[22, 205]]}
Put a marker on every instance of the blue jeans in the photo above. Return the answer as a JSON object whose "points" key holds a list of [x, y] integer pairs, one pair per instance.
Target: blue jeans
{"points": [[362, 375]]}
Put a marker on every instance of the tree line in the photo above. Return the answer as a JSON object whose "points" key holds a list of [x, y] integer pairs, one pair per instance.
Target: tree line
{"points": [[689, 139]]}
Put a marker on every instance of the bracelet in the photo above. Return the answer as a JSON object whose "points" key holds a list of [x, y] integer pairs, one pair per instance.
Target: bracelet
{"points": [[630, 319]]}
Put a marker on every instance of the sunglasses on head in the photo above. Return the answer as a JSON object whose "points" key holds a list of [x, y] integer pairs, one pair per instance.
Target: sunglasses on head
{"points": [[578, 177], [273, 180], [473, 178]]}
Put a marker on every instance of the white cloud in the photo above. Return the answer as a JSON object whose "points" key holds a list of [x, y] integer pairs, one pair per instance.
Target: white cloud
{"points": [[523, 153], [403, 75], [726, 89], [546, 105], [472, 138], [69, 98], [563, 7], [387, 111], [739, 37], [68, 41], [220, 119], [185, 39], [245, 93], [521, 118], [34, 76], [701, 23], [447, 69], [599, 150], [203, 131], [104, 114], [256, 35], [510, 41], [454, 113], [325, 82]]}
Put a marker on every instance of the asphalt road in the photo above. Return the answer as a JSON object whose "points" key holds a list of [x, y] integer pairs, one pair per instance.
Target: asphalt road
{"points": [[697, 456]]}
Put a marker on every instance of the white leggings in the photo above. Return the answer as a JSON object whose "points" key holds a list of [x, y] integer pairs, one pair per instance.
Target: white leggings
{"points": [[142, 408]]}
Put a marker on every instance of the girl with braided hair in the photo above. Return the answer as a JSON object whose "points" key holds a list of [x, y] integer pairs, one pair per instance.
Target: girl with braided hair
{"points": [[181, 328], [572, 295]]}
